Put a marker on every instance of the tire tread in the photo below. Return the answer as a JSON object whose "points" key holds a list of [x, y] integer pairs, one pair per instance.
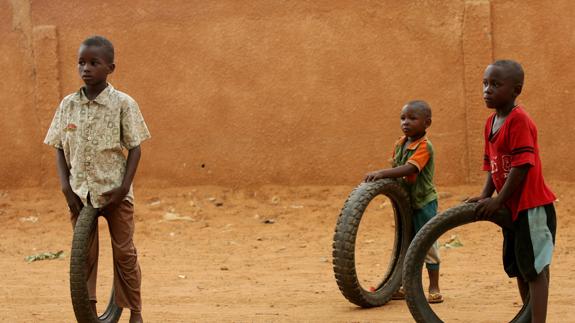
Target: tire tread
{"points": [[345, 235]]}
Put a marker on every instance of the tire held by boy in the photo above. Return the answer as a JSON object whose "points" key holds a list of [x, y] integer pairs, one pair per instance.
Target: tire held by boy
{"points": [[345, 238], [431, 231], [87, 221]]}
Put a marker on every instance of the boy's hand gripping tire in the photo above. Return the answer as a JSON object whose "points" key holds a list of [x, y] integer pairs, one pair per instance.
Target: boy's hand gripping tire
{"points": [[423, 240], [345, 237], [87, 221]]}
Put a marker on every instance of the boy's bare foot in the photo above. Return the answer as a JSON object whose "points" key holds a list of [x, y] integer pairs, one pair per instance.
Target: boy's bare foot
{"points": [[136, 317], [434, 298]]}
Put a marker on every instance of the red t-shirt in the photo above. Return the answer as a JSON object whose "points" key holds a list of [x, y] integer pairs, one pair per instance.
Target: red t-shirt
{"points": [[515, 144]]}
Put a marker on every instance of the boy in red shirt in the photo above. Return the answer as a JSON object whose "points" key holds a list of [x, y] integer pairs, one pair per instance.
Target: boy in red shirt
{"points": [[512, 160]]}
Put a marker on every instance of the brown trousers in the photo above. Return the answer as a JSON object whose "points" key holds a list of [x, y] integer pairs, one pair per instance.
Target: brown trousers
{"points": [[127, 275]]}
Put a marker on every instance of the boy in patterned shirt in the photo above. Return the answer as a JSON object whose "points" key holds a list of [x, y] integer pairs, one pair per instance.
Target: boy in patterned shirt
{"points": [[89, 131], [413, 160], [514, 170]]}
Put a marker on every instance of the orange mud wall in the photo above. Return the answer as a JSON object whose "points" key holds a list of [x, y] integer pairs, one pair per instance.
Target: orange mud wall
{"points": [[286, 92]]}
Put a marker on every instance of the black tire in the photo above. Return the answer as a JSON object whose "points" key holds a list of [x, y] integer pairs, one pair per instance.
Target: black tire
{"points": [[87, 221], [423, 240], [345, 237]]}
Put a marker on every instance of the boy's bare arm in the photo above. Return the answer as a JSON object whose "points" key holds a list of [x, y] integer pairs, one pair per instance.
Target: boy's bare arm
{"points": [[488, 190], [74, 202], [400, 171], [131, 166], [115, 196], [489, 206]]}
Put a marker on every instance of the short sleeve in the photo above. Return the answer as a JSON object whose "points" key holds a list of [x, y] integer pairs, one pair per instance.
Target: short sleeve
{"points": [[522, 141], [54, 135], [133, 127], [420, 157]]}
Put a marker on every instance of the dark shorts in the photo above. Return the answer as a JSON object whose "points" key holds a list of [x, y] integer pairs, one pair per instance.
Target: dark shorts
{"points": [[528, 246]]}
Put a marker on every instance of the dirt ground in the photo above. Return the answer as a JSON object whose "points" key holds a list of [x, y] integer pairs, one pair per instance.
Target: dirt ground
{"points": [[221, 262]]}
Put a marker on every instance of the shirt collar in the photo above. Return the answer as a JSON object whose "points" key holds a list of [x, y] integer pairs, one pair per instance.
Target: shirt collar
{"points": [[413, 145], [103, 98]]}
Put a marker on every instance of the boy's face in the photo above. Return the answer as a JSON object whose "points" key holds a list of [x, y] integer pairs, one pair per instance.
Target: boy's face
{"points": [[93, 65], [413, 121], [499, 88]]}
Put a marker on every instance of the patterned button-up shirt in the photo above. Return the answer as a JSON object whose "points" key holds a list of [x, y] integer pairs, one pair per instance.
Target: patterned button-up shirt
{"points": [[92, 135]]}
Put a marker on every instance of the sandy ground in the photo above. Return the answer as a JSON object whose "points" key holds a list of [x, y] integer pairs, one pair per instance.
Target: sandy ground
{"points": [[224, 263]]}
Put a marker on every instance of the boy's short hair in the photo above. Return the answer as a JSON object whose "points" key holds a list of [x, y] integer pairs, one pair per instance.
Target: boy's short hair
{"points": [[421, 106], [514, 69], [103, 42]]}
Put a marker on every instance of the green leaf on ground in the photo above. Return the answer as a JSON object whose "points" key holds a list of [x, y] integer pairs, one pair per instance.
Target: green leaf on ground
{"points": [[46, 256], [453, 242]]}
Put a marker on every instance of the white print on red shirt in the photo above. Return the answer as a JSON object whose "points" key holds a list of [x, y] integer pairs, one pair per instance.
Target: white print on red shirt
{"points": [[494, 168], [505, 165], [506, 160]]}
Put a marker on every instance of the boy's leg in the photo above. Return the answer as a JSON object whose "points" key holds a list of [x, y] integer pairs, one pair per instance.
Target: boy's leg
{"points": [[127, 275], [523, 289], [539, 289], [92, 267], [534, 244], [432, 263], [432, 259]]}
